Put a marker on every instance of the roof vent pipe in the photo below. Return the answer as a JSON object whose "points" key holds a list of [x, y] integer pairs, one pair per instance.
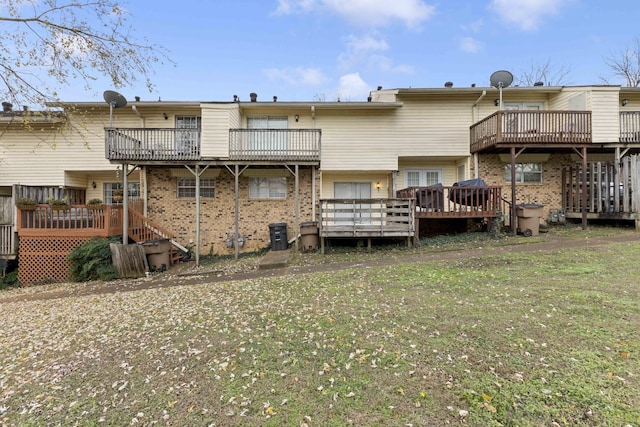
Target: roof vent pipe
{"points": [[275, 98], [253, 96]]}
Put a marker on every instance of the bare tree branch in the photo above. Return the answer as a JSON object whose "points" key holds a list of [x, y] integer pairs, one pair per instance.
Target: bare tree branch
{"points": [[546, 73], [625, 65], [46, 44]]}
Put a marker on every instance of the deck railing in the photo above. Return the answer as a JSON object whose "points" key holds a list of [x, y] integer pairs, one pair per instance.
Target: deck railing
{"points": [[367, 218], [164, 144], [73, 220], [7, 241], [531, 127], [455, 201], [630, 126], [274, 144]]}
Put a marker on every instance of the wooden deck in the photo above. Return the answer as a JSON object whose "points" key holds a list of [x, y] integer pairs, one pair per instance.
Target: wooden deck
{"points": [[455, 202], [366, 218], [73, 221], [507, 128]]}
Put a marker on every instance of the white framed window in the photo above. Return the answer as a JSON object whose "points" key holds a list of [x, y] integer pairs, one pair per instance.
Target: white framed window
{"points": [[187, 188], [268, 188], [422, 177], [110, 187], [526, 173]]}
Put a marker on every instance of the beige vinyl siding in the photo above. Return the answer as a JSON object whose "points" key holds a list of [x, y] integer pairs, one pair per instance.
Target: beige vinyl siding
{"points": [[449, 171], [358, 140], [568, 99], [433, 127], [217, 119], [42, 157], [372, 177], [605, 106]]}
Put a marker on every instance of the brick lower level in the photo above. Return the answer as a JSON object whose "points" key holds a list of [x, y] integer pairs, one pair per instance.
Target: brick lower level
{"points": [[217, 215]]}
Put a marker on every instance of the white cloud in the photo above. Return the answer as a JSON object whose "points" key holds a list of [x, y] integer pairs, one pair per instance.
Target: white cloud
{"points": [[526, 14], [365, 13], [286, 7], [474, 26], [470, 45], [359, 50], [352, 88], [297, 76]]}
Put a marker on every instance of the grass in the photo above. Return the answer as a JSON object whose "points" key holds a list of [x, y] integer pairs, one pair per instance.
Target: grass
{"points": [[522, 338]]}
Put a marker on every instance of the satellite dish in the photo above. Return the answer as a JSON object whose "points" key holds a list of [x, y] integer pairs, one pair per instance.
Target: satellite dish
{"points": [[115, 100], [500, 79]]}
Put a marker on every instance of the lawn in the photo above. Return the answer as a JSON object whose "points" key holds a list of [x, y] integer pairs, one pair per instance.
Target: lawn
{"points": [[512, 338]]}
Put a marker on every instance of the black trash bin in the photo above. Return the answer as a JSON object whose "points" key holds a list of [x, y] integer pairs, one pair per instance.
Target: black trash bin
{"points": [[278, 234]]}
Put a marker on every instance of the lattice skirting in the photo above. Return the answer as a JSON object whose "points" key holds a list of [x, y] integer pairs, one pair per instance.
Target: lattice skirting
{"points": [[44, 259]]}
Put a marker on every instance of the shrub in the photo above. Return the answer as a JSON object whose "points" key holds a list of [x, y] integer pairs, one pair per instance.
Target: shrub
{"points": [[92, 260], [26, 201], [94, 202], [10, 280]]}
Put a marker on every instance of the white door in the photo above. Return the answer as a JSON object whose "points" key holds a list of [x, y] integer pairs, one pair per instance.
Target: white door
{"points": [[516, 124]]}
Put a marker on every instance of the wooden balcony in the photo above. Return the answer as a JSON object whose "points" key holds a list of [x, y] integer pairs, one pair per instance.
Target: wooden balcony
{"points": [[74, 220], [630, 127], [256, 145], [437, 201], [300, 145], [146, 144], [509, 128]]}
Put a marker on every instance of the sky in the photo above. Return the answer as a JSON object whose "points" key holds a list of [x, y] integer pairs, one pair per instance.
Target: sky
{"points": [[325, 50]]}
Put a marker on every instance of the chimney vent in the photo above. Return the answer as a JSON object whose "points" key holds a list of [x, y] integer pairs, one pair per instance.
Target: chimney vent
{"points": [[275, 98], [7, 107], [253, 96], [448, 84]]}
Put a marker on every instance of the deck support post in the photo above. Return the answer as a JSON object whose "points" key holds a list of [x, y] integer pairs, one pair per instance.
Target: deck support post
{"points": [[514, 226], [125, 203], [236, 173], [197, 173], [584, 188]]}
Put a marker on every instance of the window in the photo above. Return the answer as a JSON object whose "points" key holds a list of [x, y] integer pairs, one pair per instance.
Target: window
{"points": [[526, 173], [187, 188], [268, 188], [188, 134], [422, 177], [111, 187]]}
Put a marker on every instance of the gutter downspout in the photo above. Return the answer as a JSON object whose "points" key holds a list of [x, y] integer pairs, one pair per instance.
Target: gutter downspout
{"points": [[474, 118]]}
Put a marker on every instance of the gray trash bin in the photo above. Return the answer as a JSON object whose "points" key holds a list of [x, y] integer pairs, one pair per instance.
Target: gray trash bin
{"points": [[278, 235]]}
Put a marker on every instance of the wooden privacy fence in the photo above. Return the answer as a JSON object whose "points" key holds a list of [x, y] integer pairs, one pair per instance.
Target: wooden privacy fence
{"points": [[612, 187]]}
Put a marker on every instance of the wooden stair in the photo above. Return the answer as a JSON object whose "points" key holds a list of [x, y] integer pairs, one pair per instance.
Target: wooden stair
{"points": [[142, 229]]}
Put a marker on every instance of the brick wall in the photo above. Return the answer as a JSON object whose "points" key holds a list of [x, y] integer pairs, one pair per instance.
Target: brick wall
{"points": [[549, 193], [218, 214]]}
